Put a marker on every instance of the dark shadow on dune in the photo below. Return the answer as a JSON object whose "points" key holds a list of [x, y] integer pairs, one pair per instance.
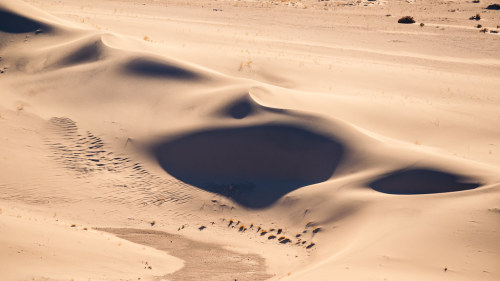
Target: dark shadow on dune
{"points": [[88, 53], [151, 68], [12, 23], [240, 109], [422, 181], [255, 166]]}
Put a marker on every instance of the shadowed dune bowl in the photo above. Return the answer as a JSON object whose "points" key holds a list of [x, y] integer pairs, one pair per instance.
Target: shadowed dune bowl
{"points": [[422, 181], [254, 166]]}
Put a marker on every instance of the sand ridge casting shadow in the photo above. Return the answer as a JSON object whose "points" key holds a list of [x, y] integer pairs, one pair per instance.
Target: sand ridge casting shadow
{"points": [[255, 166], [12, 23], [153, 68], [87, 53], [422, 181]]}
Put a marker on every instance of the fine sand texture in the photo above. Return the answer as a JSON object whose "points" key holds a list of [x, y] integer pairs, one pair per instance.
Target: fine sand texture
{"points": [[249, 140]]}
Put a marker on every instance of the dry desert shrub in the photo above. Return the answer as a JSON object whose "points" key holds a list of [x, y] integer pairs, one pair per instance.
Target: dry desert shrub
{"points": [[476, 17], [493, 7], [406, 20]]}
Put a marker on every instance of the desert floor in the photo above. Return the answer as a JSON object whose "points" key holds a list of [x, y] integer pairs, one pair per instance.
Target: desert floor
{"points": [[249, 140]]}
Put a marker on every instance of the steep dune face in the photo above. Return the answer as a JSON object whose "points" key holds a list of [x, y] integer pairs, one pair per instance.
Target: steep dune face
{"points": [[17, 17], [14, 23]]}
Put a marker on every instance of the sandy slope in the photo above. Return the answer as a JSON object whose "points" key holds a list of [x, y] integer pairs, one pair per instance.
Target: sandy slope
{"points": [[295, 140], [40, 247]]}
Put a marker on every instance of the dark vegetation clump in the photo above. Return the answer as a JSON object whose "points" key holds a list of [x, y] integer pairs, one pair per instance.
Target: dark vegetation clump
{"points": [[493, 7], [406, 20], [476, 17]]}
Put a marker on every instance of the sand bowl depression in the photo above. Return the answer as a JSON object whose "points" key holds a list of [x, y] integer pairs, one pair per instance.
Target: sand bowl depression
{"points": [[252, 165]]}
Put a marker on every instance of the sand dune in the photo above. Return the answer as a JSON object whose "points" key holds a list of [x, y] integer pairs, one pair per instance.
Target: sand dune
{"points": [[250, 140]]}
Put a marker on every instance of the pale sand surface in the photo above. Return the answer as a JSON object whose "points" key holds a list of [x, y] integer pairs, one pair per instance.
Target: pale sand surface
{"points": [[249, 140]]}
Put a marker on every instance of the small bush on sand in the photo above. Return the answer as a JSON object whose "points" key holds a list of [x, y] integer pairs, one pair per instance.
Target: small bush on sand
{"points": [[406, 20], [493, 7], [476, 17]]}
